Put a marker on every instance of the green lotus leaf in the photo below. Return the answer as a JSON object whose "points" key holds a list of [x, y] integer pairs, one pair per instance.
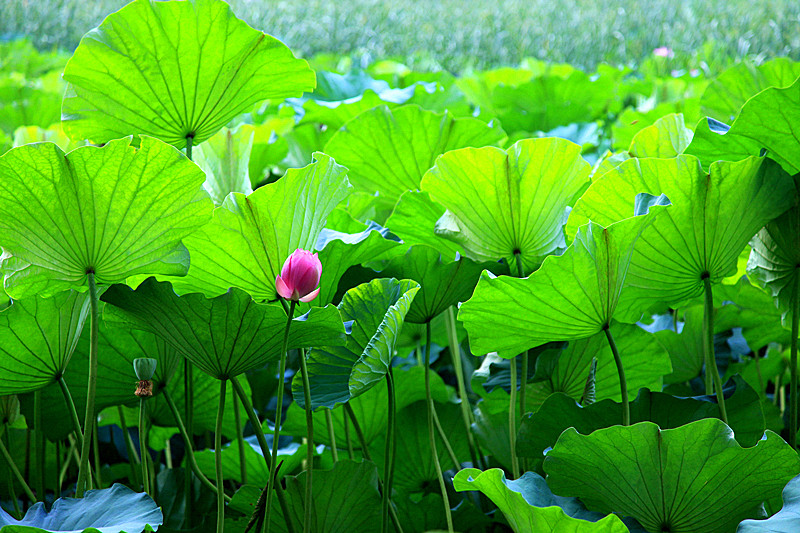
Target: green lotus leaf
{"points": [[174, 70], [632, 121], [787, 520], [442, 283], [225, 158], [29, 101], [572, 296], [417, 137], [37, 339], [289, 458], [766, 121], [501, 204], [713, 216], [725, 96], [530, 507], [752, 307], [425, 514], [223, 336], [540, 430], [692, 478], [776, 255], [414, 220], [339, 373], [115, 211], [667, 137], [251, 236]]}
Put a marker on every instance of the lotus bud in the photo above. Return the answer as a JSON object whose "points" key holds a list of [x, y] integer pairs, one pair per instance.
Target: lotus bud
{"points": [[144, 368], [299, 279]]}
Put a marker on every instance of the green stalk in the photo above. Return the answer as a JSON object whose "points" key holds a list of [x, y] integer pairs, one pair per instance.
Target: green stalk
{"points": [[262, 442], [218, 458], [445, 441], [41, 445], [14, 470], [76, 423], [466, 415], [143, 446], [278, 411], [88, 424], [57, 487], [521, 274], [188, 389], [793, 400], [431, 438], [187, 442], [309, 441], [189, 139], [98, 473], [512, 419], [350, 452], [388, 460], [623, 384], [708, 347], [240, 440], [331, 434], [133, 458]]}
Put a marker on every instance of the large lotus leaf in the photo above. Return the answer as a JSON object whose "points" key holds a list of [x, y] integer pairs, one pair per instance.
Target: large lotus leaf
{"points": [[369, 408], [350, 243], [389, 151], [29, 101], [443, 283], [713, 216], [37, 339], [775, 256], [530, 506], [425, 514], [174, 70], [725, 96], [223, 336], [115, 211], [667, 137], [632, 121], [766, 121], [685, 348], [501, 204], [289, 458], [225, 159], [688, 479], [572, 296], [540, 430], [107, 511], [251, 236], [414, 220], [787, 520], [339, 373]]}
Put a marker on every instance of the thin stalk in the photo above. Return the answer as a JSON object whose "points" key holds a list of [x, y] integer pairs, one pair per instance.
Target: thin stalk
{"points": [[445, 441], [143, 445], [168, 453], [188, 389], [98, 473], [133, 458], [466, 415], [521, 274], [41, 445], [189, 139], [350, 452], [431, 438], [262, 442], [331, 434], [187, 443], [310, 440], [218, 458], [708, 347], [512, 420], [793, 400], [57, 487], [775, 396], [88, 423], [758, 354], [240, 440], [419, 354], [623, 383], [76, 424], [15, 471], [279, 411], [523, 382], [388, 460]]}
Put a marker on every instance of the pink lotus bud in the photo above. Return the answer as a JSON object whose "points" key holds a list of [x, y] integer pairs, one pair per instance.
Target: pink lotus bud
{"points": [[663, 51], [299, 279]]}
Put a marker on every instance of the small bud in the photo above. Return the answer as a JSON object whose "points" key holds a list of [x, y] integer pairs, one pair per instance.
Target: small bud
{"points": [[144, 367], [299, 279]]}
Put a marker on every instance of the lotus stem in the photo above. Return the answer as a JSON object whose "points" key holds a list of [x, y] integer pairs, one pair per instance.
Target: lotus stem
{"points": [[442, 435], [623, 383], [388, 460], [512, 419], [76, 424], [14, 470], [143, 453], [793, 400], [98, 473], [309, 441], [41, 444], [350, 452], [708, 347], [331, 434], [133, 458], [188, 390], [240, 441], [431, 438], [218, 458], [88, 424]]}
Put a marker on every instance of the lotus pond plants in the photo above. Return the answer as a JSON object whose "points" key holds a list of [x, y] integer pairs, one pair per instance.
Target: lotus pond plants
{"points": [[243, 291]]}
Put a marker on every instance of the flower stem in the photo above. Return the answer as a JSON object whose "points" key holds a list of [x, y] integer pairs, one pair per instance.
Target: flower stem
{"points": [[623, 383], [331, 434], [76, 424], [793, 399], [278, 412], [708, 347], [143, 446], [218, 458], [133, 458], [188, 391], [350, 452], [240, 441], [431, 438], [512, 419], [15, 470], [41, 444], [88, 424], [388, 460], [309, 441]]}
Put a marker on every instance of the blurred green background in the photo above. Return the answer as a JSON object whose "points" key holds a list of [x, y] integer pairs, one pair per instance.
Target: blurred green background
{"points": [[461, 35]]}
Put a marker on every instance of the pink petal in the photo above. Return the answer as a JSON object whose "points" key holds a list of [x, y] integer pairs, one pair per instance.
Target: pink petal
{"points": [[282, 288], [310, 296]]}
